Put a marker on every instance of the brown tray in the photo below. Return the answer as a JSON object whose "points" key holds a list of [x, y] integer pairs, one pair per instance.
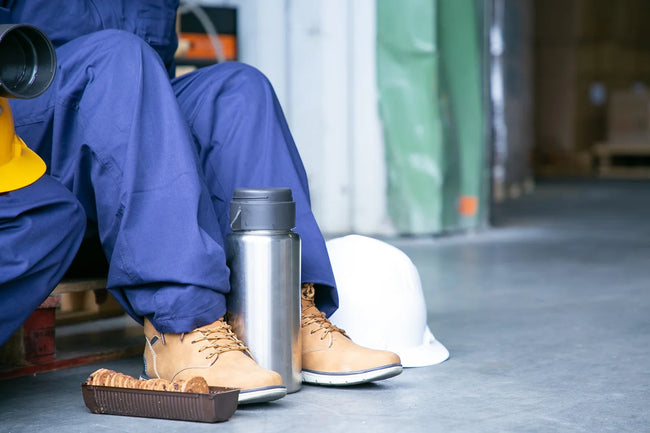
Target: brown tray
{"points": [[217, 406]]}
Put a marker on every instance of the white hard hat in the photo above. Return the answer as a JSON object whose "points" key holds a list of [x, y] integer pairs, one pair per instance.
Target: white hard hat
{"points": [[381, 301]]}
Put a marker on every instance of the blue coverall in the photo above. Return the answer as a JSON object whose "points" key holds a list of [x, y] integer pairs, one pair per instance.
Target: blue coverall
{"points": [[154, 161], [41, 227]]}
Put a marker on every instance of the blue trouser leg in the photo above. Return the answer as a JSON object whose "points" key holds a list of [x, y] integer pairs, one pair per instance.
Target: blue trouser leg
{"points": [[244, 141], [110, 130], [41, 227]]}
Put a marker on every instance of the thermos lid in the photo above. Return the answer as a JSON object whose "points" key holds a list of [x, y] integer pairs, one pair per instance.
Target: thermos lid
{"points": [[262, 209]]}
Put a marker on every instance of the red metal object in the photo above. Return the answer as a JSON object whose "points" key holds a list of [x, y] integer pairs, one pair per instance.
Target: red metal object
{"points": [[38, 333]]}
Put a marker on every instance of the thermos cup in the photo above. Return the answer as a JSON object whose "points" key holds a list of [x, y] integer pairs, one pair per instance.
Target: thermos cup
{"points": [[263, 254], [28, 61]]}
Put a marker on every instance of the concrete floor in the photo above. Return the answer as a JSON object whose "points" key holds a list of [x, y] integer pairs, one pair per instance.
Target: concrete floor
{"points": [[546, 316]]}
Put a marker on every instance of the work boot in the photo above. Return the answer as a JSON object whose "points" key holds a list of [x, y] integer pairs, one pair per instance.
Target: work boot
{"points": [[214, 352], [329, 357]]}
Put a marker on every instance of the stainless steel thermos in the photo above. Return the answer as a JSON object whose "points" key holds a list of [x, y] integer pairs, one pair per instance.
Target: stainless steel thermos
{"points": [[263, 254]]}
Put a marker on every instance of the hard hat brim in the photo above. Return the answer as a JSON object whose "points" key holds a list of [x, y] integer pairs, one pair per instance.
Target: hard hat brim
{"points": [[25, 168], [430, 352]]}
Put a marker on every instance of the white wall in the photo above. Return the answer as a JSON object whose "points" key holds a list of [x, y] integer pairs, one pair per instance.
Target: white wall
{"points": [[320, 57]]}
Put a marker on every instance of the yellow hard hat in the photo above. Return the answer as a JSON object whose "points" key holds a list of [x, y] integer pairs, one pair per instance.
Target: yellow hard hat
{"points": [[19, 165]]}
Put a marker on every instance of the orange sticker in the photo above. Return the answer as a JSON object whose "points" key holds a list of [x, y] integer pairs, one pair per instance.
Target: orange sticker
{"points": [[468, 205]]}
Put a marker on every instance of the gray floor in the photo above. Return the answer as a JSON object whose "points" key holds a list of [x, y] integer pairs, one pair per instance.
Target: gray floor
{"points": [[546, 316]]}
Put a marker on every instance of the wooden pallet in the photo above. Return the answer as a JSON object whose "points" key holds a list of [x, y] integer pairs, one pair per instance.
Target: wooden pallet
{"points": [[84, 299], [79, 285], [605, 152]]}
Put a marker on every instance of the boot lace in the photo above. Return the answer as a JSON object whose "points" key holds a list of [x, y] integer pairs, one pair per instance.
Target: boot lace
{"points": [[323, 324], [219, 339], [318, 317]]}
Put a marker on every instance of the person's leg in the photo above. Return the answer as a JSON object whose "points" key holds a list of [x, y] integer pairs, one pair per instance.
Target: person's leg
{"points": [[110, 130], [243, 141], [41, 227]]}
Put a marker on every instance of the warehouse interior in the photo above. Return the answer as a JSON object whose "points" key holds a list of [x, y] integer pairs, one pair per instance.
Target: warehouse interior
{"points": [[503, 145]]}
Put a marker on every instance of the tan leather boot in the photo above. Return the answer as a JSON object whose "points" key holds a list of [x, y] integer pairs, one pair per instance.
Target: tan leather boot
{"points": [[214, 352], [329, 357]]}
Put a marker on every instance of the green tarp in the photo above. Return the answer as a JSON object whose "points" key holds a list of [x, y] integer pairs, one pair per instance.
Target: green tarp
{"points": [[430, 101]]}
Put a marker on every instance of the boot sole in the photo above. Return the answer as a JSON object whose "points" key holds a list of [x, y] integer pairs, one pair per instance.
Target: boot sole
{"points": [[255, 395], [262, 395], [350, 378]]}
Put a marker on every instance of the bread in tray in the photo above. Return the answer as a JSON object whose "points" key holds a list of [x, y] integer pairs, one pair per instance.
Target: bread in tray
{"points": [[105, 377]]}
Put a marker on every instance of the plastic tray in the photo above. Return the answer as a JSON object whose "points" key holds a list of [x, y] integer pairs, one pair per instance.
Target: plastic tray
{"points": [[217, 406]]}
